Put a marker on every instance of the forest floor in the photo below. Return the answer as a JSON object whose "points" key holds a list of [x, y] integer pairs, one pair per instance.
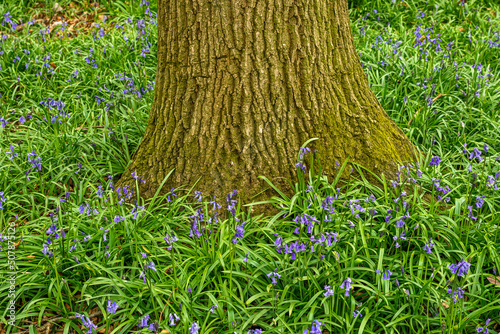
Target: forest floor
{"points": [[76, 86]]}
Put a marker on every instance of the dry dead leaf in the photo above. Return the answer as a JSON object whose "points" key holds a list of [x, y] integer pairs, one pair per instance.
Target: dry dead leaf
{"points": [[57, 7], [494, 280]]}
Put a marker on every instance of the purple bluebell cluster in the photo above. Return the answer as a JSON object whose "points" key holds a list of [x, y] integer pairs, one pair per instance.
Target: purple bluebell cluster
{"points": [[436, 160], [173, 319], [444, 190], [315, 328], [2, 200], [300, 164], [51, 233], [255, 331], [457, 293], [294, 248], [240, 232], [194, 328], [274, 276], [89, 325], [328, 291], [400, 237], [461, 268], [428, 247], [170, 239], [112, 307], [144, 322], [387, 275], [484, 329], [196, 219], [346, 285], [231, 204], [137, 177]]}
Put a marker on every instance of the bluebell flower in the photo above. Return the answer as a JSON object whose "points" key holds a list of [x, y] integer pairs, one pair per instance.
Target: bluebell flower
{"points": [[347, 286], [197, 195], [356, 314], [315, 327], [143, 276], [387, 275], [428, 247], [170, 239], [479, 201], [329, 291], [476, 153], [99, 190], [134, 210], [151, 265], [255, 331], [171, 193], [460, 269], [240, 232], [231, 204], [35, 163], [11, 154], [213, 307], [87, 323], [484, 329], [301, 165], [45, 249], [303, 151], [436, 160], [111, 307], [173, 318], [194, 224], [273, 275], [215, 204], [117, 219], [456, 294], [143, 322], [245, 259], [329, 236], [154, 326], [194, 328], [3, 122]]}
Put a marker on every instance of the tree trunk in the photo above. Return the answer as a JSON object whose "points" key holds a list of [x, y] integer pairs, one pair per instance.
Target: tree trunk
{"points": [[241, 84]]}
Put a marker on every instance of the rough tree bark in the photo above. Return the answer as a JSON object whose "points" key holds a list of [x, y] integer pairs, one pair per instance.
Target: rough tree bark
{"points": [[241, 84]]}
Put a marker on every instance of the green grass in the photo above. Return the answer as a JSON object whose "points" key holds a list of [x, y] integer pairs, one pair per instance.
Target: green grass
{"points": [[103, 113]]}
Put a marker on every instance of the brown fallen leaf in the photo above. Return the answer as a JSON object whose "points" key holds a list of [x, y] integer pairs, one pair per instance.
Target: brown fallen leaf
{"points": [[494, 280]]}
